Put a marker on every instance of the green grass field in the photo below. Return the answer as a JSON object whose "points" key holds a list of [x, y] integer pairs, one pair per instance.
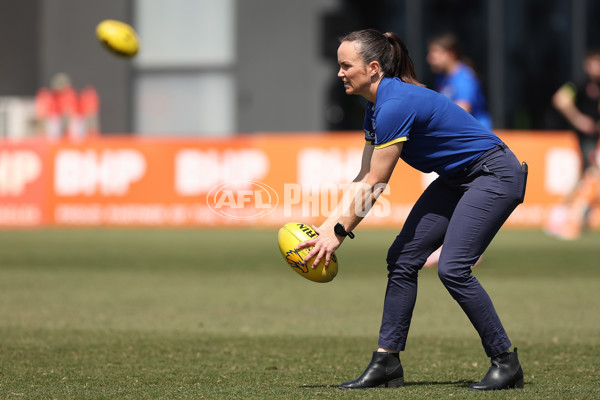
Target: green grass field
{"points": [[216, 314]]}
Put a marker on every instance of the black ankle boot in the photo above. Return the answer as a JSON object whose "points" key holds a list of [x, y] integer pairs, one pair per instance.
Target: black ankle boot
{"points": [[505, 373], [384, 369]]}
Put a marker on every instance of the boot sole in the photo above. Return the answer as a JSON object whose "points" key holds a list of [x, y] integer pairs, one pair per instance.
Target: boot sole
{"points": [[520, 384]]}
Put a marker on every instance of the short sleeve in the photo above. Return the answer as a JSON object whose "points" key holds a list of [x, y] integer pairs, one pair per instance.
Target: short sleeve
{"points": [[393, 122], [570, 89]]}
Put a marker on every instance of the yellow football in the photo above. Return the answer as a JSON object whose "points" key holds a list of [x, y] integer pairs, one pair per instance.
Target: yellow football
{"points": [[289, 237], [118, 37]]}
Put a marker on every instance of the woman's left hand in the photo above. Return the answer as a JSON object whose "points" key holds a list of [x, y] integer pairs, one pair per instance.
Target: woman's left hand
{"points": [[324, 245]]}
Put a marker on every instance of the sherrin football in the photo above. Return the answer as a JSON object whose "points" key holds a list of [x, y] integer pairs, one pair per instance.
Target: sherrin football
{"points": [[289, 237], [118, 37]]}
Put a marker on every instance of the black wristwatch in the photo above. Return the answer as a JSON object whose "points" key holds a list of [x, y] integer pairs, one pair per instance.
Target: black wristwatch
{"points": [[341, 231]]}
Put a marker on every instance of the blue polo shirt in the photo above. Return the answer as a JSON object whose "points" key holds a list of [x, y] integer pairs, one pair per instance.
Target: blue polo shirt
{"points": [[438, 135]]}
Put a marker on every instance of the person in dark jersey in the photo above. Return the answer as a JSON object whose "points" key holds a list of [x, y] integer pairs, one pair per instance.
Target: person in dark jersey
{"points": [[455, 78], [480, 183], [579, 103]]}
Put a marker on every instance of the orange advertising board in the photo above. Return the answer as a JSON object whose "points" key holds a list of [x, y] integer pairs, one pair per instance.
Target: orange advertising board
{"points": [[23, 178], [247, 180]]}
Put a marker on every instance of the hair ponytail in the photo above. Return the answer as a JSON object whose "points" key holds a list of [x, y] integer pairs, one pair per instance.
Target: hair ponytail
{"points": [[388, 50], [402, 64]]}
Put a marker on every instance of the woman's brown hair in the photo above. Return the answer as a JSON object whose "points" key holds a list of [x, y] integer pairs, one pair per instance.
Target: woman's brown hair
{"points": [[387, 49]]}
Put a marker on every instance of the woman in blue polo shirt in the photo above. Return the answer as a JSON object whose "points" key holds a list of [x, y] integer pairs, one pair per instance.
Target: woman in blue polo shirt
{"points": [[480, 183]]}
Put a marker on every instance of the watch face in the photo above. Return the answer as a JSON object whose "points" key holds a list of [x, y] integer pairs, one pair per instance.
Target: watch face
{"points": [[339, 229]]}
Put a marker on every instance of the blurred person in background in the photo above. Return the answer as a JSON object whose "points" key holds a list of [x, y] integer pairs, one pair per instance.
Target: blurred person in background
{"points": [[89, 109], [62, 112], [579, 103], [455, 78]]}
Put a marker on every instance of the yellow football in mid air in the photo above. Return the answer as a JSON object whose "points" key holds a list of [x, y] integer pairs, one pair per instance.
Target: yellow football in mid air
{"points": [[118, 37], [289, 237]]}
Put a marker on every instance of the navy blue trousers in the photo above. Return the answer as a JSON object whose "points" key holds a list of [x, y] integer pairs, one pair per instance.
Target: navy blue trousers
{"points": [[463, 212]]}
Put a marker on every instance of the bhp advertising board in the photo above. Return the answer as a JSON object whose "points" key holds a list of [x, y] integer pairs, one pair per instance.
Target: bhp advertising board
{"points": [[23, 184], [251, 180]]}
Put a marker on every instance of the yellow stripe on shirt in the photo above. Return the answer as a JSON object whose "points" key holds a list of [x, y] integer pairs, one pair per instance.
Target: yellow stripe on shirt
{"points": [[391, 142]]}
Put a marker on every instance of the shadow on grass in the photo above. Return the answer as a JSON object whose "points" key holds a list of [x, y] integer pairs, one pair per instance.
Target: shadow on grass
{"points": [[318, 386], [461, 383]]}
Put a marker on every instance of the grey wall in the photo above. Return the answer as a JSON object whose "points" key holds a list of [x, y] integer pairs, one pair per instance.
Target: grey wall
{"points": [[68, 44], [282, 79], [19, 42]]}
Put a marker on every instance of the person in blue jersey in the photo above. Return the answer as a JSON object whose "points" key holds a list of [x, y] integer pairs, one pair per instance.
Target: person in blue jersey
{"points": [[480, 183], [455, 79]]}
